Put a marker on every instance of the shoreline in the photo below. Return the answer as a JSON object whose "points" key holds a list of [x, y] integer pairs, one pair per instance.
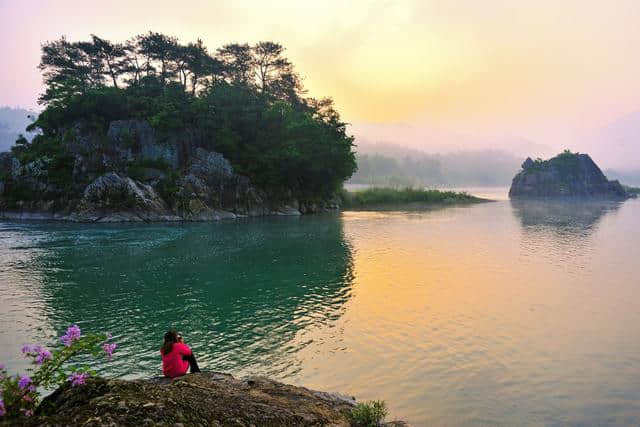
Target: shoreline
{"points": [[207, 398]]}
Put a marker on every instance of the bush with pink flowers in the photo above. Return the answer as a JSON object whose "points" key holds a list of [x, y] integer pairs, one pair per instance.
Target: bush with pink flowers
{"points": [[20, 394]]}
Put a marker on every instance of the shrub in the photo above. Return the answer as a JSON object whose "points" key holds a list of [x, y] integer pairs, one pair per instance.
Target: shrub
{"points": [[20, 394], [369, 414]]}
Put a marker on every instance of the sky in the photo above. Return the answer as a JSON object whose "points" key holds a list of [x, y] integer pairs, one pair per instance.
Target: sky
{"points": [[435, 75]]}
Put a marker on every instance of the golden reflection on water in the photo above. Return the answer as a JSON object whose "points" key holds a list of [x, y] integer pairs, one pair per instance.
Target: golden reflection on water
{"points": [[504, 313], [500, 313]]}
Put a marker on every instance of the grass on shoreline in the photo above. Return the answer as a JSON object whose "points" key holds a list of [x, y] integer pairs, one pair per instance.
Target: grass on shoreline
{"points": [[632, 190], [381, 196]]}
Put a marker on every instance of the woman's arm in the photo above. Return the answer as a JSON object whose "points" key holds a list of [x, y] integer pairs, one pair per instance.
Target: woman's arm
{"points": [[184, 349]]}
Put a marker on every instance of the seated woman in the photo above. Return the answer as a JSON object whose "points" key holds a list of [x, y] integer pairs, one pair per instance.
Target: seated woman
{"points": [[177, 357]]}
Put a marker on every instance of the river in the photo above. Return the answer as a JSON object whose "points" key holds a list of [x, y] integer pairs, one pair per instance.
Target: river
{"points": [[497, 313]]}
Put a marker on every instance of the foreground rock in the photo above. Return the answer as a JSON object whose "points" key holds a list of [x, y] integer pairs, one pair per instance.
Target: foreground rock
{"points": [[132, 174], [568, 175], [206, 399]]}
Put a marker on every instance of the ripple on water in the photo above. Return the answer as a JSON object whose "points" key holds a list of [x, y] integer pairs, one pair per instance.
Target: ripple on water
{"points": [[495, 314]]}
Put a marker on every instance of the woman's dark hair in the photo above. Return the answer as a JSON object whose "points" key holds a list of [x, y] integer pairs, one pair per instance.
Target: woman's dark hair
{"points": [[170, 337]]}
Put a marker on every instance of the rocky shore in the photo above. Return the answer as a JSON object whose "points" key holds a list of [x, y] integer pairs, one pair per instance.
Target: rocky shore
{"points": [[133, 175], [204, 399]]}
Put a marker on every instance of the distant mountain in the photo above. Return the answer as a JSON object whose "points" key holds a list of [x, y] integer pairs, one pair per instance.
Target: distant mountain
{"points": [[627, 177], [13, 122], [431, 139], [389, 164]]}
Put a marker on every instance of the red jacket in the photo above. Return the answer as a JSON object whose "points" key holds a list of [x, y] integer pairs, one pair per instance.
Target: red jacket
{"points": [[172, 363]]}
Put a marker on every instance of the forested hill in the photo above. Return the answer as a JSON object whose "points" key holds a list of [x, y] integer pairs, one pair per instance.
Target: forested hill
{"points": [[151, 102]]}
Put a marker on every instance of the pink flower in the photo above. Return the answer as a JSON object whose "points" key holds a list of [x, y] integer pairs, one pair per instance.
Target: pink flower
{"points": [[3, 410], [73, 333], [109, 348], [43, 355], [24, 381], [78, 378]]}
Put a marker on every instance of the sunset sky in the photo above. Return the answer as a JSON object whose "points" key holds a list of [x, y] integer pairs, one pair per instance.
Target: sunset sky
{"points": [[418, 73]]}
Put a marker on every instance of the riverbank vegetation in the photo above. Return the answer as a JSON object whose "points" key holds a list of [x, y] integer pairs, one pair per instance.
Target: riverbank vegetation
{"points": [[635, 191], [245, 102], [382, 196]]}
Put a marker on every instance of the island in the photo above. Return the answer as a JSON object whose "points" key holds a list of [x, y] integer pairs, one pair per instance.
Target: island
{"points": [[565, 176], [156, 130]]}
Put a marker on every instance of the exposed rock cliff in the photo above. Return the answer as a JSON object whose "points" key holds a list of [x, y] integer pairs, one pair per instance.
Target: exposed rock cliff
{"points": [[208, 399], [568, 175], [131, 174]]}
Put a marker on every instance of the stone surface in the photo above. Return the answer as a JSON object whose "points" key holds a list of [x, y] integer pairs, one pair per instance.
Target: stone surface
{"points": [[136, 139], [568, 175], [197, 399], [114, 198]]}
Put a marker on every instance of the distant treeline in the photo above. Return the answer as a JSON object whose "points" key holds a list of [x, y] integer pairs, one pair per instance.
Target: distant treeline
{"points": [[466, 168], [13, 122], [626, 177]]}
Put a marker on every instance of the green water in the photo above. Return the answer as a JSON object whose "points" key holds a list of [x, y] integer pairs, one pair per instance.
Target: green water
{"points": [[500, 313]]}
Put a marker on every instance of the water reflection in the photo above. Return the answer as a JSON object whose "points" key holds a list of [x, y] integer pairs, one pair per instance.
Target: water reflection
{"points": [[560, 232], [564, 216], [238, 291]]}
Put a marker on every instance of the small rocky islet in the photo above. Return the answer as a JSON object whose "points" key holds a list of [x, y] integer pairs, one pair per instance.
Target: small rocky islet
{"points": [[573, 176]]}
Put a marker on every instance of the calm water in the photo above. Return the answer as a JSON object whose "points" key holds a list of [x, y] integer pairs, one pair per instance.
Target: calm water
{"points": [[494, 314]]}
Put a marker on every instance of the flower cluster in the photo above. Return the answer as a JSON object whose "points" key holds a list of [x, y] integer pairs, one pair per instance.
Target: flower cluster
{"points": [[78, 378], [73, 333], [20, 394], [109, 348], [39, 354]]}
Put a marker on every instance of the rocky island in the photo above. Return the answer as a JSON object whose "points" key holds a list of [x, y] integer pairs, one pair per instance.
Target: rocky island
{"points": [[155, 130], [568, 175]]}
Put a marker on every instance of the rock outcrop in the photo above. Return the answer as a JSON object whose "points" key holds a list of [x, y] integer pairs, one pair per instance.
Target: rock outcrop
{"points": [[208, 399], [132, 174], [568, 175], [112, 198]]}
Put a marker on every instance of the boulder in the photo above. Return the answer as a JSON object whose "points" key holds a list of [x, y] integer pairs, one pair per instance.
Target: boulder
{"points": [[115, 198], [568, 175]]}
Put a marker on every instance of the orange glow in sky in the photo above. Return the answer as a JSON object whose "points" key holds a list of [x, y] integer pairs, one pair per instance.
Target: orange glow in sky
{"points": [[539, 69]]}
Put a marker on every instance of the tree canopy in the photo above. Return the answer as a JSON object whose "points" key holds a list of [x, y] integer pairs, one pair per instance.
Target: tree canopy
{"points": [[247, 101]]}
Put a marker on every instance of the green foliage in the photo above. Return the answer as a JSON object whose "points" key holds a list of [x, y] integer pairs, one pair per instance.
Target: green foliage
{"points": [[567, 163], [632, 190], [369, 414], [245, 102], [168, 187], [136, 169], [388, 196], [20, 394]]}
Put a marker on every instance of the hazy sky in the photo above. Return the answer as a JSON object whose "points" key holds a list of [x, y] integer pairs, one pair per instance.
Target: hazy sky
{"points": [[419, 72]]}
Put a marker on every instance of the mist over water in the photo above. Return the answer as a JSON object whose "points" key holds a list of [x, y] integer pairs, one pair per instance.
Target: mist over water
{"points": [[504, 313]]}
